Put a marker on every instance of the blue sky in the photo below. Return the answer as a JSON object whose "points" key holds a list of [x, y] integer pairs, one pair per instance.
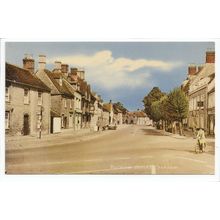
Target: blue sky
{"points": [[121, 71]]}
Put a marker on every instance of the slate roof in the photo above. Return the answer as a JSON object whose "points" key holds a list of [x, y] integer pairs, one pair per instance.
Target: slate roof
{"points": [[62, 89], [24, 77]]}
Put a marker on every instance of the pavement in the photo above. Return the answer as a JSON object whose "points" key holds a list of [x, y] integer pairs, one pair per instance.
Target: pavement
{"points": [[131, 149], [65, 137]]}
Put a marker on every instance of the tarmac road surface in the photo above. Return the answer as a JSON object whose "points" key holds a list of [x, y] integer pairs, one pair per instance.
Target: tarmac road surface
{"points": [[131, 150]]}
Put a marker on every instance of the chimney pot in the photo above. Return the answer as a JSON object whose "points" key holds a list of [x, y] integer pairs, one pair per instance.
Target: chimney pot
{"points": [[42, 62], [210, 56], [192, 69], [65, 69], [57, 65], [73, 71], [28, 63]]}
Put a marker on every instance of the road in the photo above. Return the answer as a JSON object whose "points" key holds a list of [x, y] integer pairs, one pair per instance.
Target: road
{"points": [[131, 150]]}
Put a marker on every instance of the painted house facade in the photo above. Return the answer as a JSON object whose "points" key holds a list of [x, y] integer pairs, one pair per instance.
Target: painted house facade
{"points": [[201, 96], [77, 76], [27, 101], [138, 118], [62, 99]]}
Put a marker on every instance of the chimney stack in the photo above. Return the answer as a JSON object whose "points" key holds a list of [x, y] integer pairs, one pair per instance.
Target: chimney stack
{"points": [[42, 62], [65, 69], [73, 71], [192, 70], [58, 65], [28, 63], [210, 56], [82, 74]]}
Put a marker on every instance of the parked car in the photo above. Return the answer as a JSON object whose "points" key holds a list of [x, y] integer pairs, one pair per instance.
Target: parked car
{"points": [[112, 127]]}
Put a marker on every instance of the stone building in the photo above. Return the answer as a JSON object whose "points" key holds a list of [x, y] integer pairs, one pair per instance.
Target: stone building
{"points": [[108, 107], [27, 101], [138, 118], [62, 99], [78, 77], [97, 119], [118, 117], [201, 95], [211, 107]]}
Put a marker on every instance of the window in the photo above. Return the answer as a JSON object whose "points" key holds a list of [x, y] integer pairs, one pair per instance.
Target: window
{"points": [[7, 95], [64, 103], [71, 104], [200, 104], [40, 98], [7, 118], [26, 96]]}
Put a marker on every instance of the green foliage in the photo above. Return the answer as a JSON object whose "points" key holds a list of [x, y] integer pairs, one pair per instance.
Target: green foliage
{"points": [[176, 105], [154, 95], [156, 114], [171, 107]]}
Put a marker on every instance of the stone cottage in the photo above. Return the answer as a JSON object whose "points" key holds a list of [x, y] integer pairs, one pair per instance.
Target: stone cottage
{"points": [[27, 101], [62, 99]]}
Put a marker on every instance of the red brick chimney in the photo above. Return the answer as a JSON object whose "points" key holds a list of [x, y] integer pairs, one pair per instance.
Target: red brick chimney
{"points": [[192, 69], [58, 65], [73, 71], [210, 56], [28, 63], [65, 68]]}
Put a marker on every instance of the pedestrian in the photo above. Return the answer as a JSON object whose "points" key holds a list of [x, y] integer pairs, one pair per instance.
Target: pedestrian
{"points": [[201, 140]]}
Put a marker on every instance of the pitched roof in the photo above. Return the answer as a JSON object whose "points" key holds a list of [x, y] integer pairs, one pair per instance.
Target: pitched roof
{"points": [[22, 76], [139, 114], [202, 78], [107, 107], [53, 77], [116, 109]]}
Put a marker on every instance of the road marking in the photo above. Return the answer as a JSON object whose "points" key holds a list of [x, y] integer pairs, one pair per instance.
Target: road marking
{"points": [[153, 169], [195, 160]]}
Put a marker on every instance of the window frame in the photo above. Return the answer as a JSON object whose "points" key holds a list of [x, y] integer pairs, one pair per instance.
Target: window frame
{"points": [[7, 94], [27, 97], [39, 99]]}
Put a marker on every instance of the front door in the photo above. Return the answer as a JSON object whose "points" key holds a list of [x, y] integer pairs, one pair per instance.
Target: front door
{"points": [[26, 128]]}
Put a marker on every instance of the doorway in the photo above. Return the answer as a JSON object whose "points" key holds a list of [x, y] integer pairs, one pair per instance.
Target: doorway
{"points": [[26, 128]]}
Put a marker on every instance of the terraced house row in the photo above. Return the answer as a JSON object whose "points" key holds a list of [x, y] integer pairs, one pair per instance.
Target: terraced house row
{"points": [[200, 89], [46, 101]]}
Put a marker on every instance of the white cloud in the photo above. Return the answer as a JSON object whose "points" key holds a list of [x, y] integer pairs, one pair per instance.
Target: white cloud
{"points": [[109, 72]]}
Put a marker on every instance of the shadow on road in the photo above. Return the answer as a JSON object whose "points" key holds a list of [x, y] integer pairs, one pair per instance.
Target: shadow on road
{"points": [[152, 132]]}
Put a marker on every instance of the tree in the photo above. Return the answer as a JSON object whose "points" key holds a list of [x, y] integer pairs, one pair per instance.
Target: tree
{"points": [[176, 106], [154, 95], [158, 111]]}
